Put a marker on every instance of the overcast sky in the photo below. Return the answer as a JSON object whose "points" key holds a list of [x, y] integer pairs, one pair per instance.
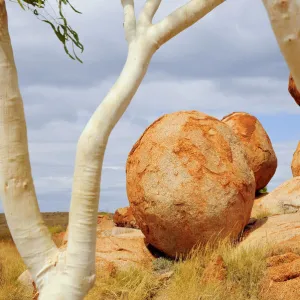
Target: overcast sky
{"points": [[228, 61]]}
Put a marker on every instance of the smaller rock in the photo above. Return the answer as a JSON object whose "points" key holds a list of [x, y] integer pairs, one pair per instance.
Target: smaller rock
{"points": [[273, 231], [293, 90], [296, 162], [215, 271], [258, 146], [119, 248], [284, 199], [123, 217]]}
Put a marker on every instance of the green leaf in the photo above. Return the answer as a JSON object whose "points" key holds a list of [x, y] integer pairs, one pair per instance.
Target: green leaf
{"points": [[63, 30], [21, 4]]}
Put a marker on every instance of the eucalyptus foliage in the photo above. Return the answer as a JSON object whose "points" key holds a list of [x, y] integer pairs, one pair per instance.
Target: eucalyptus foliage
{"points": [[59, 24]]}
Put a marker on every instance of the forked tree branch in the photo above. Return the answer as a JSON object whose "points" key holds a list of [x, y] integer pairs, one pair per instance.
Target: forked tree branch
{"points": [[182, 18], [129, 19], [93, 140], [284, 16], [148, 12]]}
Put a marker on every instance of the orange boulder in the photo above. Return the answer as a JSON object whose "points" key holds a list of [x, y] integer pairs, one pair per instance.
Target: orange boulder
{"points": [[123, 217], [188, 181], [260, 153]]}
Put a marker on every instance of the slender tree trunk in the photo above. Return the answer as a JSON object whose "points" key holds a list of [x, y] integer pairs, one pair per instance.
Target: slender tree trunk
{"points": [[17, 191], [80, 261], [284, 16]]}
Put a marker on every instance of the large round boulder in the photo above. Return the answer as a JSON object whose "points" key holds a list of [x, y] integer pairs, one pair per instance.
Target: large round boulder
{"points": [[188, 182], [260, 153], [296, 162]]}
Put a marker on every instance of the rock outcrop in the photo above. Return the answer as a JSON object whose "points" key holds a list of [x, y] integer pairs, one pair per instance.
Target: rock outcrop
{"points": [[119, 248], [188, 182], [261, 156], [272, 231], [293, 90], [282, 279], [296, 162], [123, 217], [282, 200]]}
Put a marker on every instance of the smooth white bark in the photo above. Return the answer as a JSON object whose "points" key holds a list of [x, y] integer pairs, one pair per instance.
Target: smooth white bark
{"points": [[284, 16], [147, 14], [92, 143], [129, 19], [70, 274], [17, 191], [182, 18]]}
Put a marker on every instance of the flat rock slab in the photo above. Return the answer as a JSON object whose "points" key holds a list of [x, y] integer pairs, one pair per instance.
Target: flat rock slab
{"points": [[274, 229], [282, 200]]}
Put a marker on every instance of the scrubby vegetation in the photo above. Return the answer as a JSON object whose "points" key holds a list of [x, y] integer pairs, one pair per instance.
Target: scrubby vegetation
{"points": [[11, 267], [244, 270]]}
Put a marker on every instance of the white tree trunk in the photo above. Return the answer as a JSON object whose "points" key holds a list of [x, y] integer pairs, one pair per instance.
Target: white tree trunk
{"points": [[70, 274], [17, 191], [284, 16]]}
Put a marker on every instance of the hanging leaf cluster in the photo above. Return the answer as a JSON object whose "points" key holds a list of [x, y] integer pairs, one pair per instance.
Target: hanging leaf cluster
{"points": [[59, 24]]}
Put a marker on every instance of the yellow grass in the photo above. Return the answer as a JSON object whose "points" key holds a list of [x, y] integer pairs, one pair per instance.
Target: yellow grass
{"points": [[132, 284], [245, 268], [11, 267], [261, 213]]}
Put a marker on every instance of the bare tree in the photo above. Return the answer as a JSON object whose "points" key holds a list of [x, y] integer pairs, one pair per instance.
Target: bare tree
{"points": [[70, 274]]}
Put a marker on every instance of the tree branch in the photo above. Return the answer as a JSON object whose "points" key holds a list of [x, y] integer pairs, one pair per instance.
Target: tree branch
{"points": [[17, 191], [182, 18], [148, 12], [284, 16], [129, 19], [91, 146]]}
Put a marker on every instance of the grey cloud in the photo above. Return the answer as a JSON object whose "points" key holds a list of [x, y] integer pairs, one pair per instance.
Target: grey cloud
{"points": [[226, 62], [227, 41]]}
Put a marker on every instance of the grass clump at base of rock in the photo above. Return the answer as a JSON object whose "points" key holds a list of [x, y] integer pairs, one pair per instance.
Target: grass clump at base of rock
{"points": [[244, 267], [132, 284], [243, 270], [261, 213]]}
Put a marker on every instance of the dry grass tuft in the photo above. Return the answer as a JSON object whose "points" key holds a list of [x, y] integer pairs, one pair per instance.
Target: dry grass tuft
{"points": [[11, 267], [132, 284], [245, 268]]}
